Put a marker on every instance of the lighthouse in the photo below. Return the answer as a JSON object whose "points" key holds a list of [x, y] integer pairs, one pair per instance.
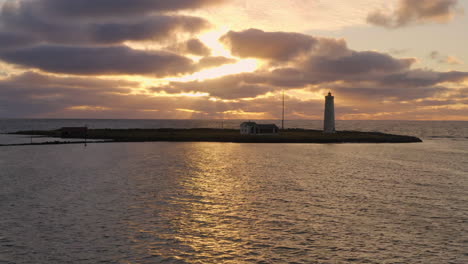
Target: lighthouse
{"points": [[329, 122]]}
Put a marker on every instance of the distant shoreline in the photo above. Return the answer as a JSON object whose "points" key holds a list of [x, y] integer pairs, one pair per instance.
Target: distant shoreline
{"points": [[52, 143], [219, 135]]}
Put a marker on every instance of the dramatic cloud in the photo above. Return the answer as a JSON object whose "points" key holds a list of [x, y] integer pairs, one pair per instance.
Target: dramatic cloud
{"points": [[210, 62], [415, 12], [151, 28], [192, 46], [99, 60], [228, 87], [312, 60], [280, 46], [31, 80], [115, 8], [357, 92], [31, 94], [329, 62], [36, 95], [42, 28], [418, 78], [9, 40], [357, 63]]}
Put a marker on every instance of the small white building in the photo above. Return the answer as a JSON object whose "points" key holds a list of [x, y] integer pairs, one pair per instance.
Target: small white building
{"points": [[252, 128]]}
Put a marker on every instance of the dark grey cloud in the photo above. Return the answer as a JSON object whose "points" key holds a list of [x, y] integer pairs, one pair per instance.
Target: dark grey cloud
{"points": [[99, 60], [38, 95], [31, 94], [415, 12], [419, 78], [196, 47], [353, 66], [214, 61], [155, 28], [99, 8], [397, 94], [31, 80], [228, 87], [26, 21], [311, 59], [11, 40], [191, 46], [357, 63], [31, 37], [279, 46], [437, 102], [286, 78]]}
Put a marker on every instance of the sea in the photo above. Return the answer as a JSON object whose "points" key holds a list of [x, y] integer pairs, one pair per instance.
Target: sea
{"points": [[235, 203]]}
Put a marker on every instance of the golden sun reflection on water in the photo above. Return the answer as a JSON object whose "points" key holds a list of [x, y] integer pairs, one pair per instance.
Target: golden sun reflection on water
{"points": [[203, 209], [230, 207], [215, 202]]}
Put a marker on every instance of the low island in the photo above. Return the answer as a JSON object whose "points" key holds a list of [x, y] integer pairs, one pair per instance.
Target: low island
{"points": [[225, 135], [249, 132]]}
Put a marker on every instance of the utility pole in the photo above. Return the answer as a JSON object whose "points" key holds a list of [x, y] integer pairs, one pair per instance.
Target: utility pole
{"points": [[282, 120]]}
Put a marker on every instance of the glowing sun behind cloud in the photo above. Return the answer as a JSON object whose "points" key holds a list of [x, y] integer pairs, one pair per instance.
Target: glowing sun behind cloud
{"points": [[211, 40], [246, 65]]}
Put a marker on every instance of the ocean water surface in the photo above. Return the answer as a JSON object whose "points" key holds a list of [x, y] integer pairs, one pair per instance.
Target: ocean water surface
{"points": [[237, 203]]}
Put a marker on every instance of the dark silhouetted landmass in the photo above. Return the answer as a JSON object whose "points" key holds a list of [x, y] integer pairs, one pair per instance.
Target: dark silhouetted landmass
{"points": [[228, 135]]}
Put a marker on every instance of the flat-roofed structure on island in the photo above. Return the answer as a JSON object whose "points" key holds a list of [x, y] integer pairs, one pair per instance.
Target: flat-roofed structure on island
{"points": [[252, 128]]}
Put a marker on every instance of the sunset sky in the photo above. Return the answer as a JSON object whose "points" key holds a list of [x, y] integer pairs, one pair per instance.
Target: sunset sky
{"points": [[182, 59]]}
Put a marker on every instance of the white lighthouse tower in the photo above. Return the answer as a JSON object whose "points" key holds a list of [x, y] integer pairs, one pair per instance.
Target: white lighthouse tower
{"points": [[329, 122]]}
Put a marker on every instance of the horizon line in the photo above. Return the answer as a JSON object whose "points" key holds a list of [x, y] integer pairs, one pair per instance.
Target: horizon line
{"points": [[219, 119]]}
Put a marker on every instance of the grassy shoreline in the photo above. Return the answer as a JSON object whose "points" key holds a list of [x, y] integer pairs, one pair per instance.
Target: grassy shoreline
{"points": [[230, 135]]}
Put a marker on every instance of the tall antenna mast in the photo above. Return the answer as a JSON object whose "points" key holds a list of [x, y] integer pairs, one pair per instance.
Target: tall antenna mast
{"points": [[282, 121]]}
